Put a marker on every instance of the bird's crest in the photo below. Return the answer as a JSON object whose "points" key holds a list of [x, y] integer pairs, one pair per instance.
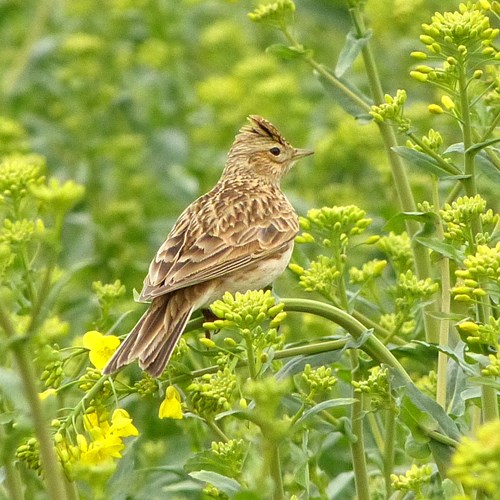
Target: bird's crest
{"points": [[263, 128]]}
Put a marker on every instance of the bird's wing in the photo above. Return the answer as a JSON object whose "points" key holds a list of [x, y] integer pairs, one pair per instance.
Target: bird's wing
{"points": [[205, 244]]}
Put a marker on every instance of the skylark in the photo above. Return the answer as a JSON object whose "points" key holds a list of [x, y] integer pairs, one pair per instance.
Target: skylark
{"points": [[235, 238]]}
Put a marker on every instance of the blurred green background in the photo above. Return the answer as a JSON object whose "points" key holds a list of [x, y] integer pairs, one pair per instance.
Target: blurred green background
{"points": [[140, 100]]}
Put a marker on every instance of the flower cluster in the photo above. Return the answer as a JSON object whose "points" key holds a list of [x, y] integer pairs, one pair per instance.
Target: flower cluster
{"points": [[411, 291], [397, 247], [212, 393], [397, 323], [278, 14], [477, 460], [58, 198], [456, 38], [319, 379], [392, 110], [493, 369], [457, 218], [487, 334], [18, 174], [413, 480], [370, 270], [101, 443], [320, 277], [377, 387], [29, 454], [331, 227], [432, 141], [481, 269], [246, 311], [230, 455]]}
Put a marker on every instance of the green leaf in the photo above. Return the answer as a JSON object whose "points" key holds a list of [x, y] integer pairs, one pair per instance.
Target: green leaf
{"points": [[426, 413], [222, 483], [287, 53], [397, 223], [450, 353], [208, 461], [475, 148], [425, 162], [297, 364], [324, 405], [442, 248], [458, 147], [350, 51], [487, 168], [442, 455]]}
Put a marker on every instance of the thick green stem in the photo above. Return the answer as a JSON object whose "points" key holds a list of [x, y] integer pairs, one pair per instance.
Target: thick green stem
{"points": [[273, 456], [489, 395], [358, 444], [389, 447], [54, 478], [13, 483], [401, 181], [444, 326], [372, 345]]}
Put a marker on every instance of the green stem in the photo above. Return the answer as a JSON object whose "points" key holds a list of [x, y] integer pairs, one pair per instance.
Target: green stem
{"points": [[358, 444], [217, 430], [389, 447], [13, 482], [328, 76], [54, 478], [273, 459], [489, 395], [33, 34], [372, 345], [444, 326], [401, 182], [375, 430], [252, 370]]}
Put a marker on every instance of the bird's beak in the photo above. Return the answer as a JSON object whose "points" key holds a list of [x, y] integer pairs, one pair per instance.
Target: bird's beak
{"points": [[301, 153]]}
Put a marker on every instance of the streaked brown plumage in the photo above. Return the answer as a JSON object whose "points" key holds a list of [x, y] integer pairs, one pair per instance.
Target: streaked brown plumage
{"points": [[237, 237]]}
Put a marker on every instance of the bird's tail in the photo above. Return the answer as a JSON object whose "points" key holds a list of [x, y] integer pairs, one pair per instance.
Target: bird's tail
{"points": [[154, 337]]}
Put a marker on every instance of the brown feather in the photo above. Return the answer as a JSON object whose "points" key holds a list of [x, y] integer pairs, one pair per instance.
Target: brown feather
{"points": [[237, 236]]}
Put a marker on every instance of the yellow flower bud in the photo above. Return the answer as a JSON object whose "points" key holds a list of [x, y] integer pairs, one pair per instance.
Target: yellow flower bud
{"points": [[419, 55], [468, 326], [447, 102], [207, 342], [435, 109], [421, 77]]}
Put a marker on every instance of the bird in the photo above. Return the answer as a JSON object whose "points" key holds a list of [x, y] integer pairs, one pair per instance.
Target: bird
{"points": [[237, 237]]}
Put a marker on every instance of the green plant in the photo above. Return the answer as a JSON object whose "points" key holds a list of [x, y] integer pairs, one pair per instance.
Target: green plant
{"points": [[376, 375]]}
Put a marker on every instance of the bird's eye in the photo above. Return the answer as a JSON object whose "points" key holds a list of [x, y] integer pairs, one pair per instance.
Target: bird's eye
{"points": [[275, 151]]}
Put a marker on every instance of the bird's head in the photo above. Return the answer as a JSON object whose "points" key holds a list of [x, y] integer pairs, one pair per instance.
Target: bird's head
{"points": [[259, 149]]}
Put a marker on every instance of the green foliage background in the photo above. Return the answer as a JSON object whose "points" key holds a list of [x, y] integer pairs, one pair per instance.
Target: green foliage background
{"points": [[139, 100]]}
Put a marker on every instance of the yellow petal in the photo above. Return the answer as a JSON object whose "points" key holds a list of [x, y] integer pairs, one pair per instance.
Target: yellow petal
{"points": [[171, 405]]}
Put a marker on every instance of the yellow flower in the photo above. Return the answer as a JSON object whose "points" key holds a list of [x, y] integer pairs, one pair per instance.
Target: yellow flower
{"points": [[100, 450], [95, 423], [101, 347], [121, 424], [171, 405], [47, 393]]}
